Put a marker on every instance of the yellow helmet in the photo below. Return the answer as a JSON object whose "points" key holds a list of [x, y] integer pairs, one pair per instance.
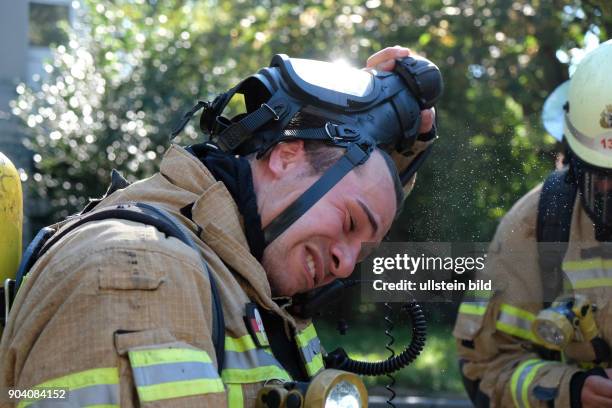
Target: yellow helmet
{"points": [[588, 122]]}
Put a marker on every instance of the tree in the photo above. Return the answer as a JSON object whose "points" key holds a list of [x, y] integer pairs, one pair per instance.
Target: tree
{"points": [[131, 67]]}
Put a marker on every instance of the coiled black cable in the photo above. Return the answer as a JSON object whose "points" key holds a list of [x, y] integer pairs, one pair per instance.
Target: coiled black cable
{"points": [[340, 360], [389, 325]]}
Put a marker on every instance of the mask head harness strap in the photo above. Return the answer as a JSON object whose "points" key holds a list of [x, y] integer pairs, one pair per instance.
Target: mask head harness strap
{"points": [[354, 156]]}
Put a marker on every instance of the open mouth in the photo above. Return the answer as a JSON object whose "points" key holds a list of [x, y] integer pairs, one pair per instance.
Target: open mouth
{"points": [[312, 265]]}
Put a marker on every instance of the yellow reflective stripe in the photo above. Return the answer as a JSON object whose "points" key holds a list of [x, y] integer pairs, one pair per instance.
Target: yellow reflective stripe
{"points": [[515, 321], [579, 265], [255, 374], [247, 363], [304, 337], [310, 348], [234, 395], [79, 381], [521, 381], [239, 344], [315, 365], [515, 311], [179, 389], [592, 283], [146, 357], [165, 373], [473, 308]]}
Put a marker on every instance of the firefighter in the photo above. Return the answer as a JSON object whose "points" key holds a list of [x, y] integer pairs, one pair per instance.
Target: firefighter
{"points": [[541, 337], [121, 312]]}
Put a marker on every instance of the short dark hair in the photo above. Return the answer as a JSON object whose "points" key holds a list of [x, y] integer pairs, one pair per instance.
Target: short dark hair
{"points": [[322, 156]]}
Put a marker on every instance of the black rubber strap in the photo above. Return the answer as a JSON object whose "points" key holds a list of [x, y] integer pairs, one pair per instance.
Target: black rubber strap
{"points": [[353, 157], [414, 165], [31, 254], [553, 224], [238, 132], [339, 135], [187, 117], [306, 134], [601, 349]]}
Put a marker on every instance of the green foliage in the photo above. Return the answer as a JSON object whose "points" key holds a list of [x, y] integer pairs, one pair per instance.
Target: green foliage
{"points": [[131, 67]]}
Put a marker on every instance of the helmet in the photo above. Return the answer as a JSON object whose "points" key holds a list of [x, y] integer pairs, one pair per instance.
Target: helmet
{"points": [[362, 110], [588, 130]]}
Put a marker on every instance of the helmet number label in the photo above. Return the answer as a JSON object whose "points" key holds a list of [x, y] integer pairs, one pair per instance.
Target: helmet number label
{"points": [[606, 143]]}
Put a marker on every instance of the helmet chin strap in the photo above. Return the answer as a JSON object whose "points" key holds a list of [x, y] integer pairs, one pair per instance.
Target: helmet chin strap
{"points": [[354, 156]]}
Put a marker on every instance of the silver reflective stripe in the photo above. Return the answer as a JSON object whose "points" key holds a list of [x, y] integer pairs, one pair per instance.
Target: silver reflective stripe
{"points": [[249, 359], [590, 143], [514, 321], [101, 394], [521, 382], [172, 372], [312, 349], [587, 274]]}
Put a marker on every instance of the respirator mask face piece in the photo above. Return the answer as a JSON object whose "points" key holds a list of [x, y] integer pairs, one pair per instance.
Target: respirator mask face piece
{"points": [[362, 110], [367, 108], [595, 186]]}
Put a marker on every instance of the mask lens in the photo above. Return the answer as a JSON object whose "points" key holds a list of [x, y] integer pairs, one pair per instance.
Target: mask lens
{"points": [[334, 77]]}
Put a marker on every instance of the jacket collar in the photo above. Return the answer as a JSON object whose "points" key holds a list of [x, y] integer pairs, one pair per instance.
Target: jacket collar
{"points": [[220, 223]]}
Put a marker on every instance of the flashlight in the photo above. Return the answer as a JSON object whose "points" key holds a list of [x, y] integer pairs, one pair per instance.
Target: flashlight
{"points": [[568, 319], [329, 389]]}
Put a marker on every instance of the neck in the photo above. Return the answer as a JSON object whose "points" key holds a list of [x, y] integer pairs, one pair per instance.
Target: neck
{"points": [[261, 190]]}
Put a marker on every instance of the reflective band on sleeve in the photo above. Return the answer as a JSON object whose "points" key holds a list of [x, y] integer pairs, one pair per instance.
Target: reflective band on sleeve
{"points": [[142, 358], [473, 308], [234, 395], [310, 348], [589, 273], [521, 381], [246, 363], [515, 321], [165, 373], [98, 386]]}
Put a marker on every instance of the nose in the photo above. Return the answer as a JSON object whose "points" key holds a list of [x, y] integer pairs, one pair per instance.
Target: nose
{"points": [[343, 259]]}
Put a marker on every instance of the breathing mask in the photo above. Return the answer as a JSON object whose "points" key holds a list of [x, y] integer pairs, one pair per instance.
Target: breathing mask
{"points": [[362, 110]]}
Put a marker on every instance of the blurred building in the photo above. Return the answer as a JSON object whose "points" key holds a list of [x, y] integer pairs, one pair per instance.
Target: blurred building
{"points": [[27, 29]]}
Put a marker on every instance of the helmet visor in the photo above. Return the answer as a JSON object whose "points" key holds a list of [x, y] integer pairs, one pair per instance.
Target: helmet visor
{"points": [[595, 185]]}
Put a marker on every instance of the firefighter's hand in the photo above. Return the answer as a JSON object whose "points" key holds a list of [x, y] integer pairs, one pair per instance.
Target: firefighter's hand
{"points": [[597, 391], [384, 60]]}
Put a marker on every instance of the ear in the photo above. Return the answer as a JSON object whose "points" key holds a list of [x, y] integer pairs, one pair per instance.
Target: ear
{"points": [[286, 156]]}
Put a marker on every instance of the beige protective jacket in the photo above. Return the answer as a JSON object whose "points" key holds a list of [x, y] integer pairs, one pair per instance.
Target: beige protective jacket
{"points": [[120, 315], [493, 331]]}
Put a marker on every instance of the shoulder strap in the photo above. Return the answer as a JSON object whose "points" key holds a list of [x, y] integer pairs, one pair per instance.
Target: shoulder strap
{"points": [[554, 220], [145, 214]]}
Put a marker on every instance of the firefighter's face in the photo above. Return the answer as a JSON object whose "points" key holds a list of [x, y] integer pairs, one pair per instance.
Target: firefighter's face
{"points": [[325, 243]]}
